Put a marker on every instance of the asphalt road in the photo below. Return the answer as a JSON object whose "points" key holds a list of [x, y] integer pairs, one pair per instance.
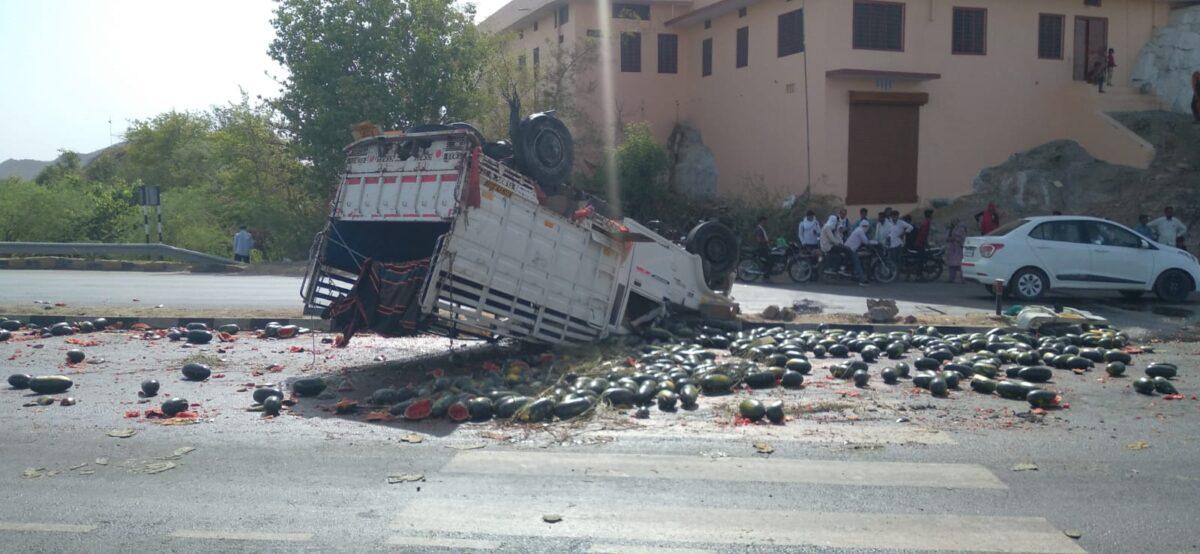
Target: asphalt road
{"points": [[118, 290], [890, 469]]}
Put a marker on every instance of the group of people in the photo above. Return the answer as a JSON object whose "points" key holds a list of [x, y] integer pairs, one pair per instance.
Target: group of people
{"points": [[839, 240], [1164, 230]]}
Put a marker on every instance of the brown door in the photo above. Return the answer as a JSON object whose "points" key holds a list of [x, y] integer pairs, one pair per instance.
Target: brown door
{"points": [[884, 134], [1091, 45]]}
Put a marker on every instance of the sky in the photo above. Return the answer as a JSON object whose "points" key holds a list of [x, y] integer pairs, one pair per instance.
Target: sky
{"points": [[69, 67]]}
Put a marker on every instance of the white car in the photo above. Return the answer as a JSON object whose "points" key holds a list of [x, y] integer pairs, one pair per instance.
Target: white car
{"points": [[1033, 255]]}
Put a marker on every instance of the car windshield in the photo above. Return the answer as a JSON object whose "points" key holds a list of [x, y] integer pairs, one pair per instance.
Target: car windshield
{"points": [[1007, 228]]}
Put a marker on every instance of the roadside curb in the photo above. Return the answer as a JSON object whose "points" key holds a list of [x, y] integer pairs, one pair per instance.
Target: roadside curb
{"points": [[78, 264], [245, 323]]}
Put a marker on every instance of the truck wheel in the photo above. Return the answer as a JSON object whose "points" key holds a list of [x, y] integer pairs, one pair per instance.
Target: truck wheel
{"points": [[716, 245], [544, 151]]}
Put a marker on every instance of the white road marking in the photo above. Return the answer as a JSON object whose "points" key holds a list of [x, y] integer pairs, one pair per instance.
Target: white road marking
{"points": [[734, 526], [771, 470], [45, 527], [800, 431], [606, 548], [460, 544], [242, 536]]}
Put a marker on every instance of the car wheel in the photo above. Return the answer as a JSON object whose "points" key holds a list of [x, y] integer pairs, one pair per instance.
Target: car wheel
{"points": [[1028, 284], [748, 271], [1132, 294], [801, 271], [1173, 286]]}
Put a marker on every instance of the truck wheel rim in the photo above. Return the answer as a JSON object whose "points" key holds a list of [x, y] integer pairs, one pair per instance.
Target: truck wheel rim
{"points": [[1029, 285], [549, 149]]}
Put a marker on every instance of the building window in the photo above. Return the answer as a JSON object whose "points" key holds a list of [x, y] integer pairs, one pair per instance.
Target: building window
{"points": [[791, 33], [631, 11], [743, 47], [631, 52], [594, 33], [535, 26], [970, 31], [878, 25], [668, 53], [708, 24], [1050, 36], [1092, 3], [706, 57], [741, 12], [536, 59], [563, 15]]}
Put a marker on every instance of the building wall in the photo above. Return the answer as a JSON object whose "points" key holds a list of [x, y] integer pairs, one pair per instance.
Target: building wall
{"points": [[753, 117], [981, 110]]}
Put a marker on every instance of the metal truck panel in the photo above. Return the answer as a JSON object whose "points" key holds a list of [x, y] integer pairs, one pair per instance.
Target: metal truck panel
{"points": [[516, 269]]}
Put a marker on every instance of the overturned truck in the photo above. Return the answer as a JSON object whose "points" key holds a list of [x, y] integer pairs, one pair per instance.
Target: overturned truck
{"points": [[435, 230]]}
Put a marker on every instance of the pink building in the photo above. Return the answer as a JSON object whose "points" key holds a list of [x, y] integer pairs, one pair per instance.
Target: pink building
{"points": [[880, 103]]}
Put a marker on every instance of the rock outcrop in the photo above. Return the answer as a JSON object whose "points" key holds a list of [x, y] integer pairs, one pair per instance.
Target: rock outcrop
{"points": [[1166, 62]]}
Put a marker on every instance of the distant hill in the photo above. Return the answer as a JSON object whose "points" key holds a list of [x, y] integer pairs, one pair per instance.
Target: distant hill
{"points": [[28, 169]]}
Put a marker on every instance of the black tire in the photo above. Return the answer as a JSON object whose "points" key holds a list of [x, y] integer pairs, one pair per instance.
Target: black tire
{"points": [[1028, 284], [884, 271], [716, 245], [932, 270], [800, 270], [499, 150], [545, 151], [1173, 286], [1132, 294], [749, 270]]}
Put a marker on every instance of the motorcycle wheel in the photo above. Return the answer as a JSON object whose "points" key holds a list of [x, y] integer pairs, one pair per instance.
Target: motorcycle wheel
{"points": [[801, 271], [884, 271], [748, 271], [932, 271]]}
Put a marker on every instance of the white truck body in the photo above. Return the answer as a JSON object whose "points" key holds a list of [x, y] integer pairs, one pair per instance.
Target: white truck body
{"points": [[507, 266]]}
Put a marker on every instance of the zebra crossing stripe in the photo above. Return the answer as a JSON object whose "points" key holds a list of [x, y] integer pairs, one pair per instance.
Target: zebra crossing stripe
{"points": [[771, 470]]}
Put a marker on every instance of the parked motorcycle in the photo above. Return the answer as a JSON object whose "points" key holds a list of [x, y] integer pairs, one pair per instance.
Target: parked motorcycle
{"points": [[923, 265], [750, 267]]}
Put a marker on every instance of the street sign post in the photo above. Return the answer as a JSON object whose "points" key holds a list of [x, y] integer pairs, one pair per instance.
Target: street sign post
{"points": [[148, 196]]}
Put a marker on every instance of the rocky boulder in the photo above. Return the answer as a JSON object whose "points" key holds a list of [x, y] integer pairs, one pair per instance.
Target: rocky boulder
{"points": [[1166, 62]]}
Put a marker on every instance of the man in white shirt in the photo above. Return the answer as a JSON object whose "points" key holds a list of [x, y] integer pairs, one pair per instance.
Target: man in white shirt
{"points": [[243, 242], [1169, 229], [843, 224], [810, 230], [895, 237], [881, 227]]}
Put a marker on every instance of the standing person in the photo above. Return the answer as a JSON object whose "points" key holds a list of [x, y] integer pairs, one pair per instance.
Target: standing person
{"points": [[910, 237], [1098, 71], [863, 215], [895, 239], [843, 224], [921, 241], [1110, 62], [880, 234], [954, 250], [1144, 229], [858, 237], [762, 241], [988, 219], [810, 230], [1196, 96], [243, 243], [1168, 228]]}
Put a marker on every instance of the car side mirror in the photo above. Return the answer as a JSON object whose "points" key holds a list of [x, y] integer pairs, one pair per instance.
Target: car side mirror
{"points": [[1145, 244]]}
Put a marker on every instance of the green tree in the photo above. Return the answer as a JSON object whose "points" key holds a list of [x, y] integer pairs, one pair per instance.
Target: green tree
{"points": [[642, 166], [170, 150], [394, 63]]}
